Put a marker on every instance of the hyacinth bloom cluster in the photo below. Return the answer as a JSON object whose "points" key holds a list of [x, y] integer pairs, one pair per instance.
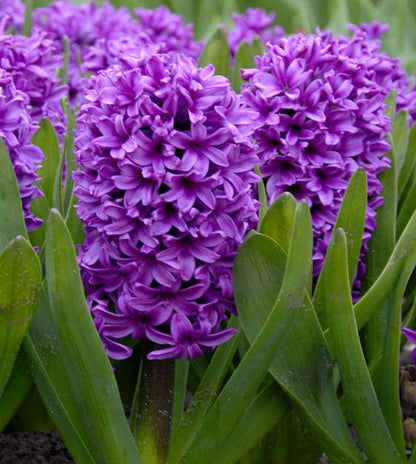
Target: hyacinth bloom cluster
{"points": [[98, 35], [83, 25], [157, 26], [169, 31], [17, 129], [386, 71], [13, 11], [34, 64], [165, 193], [321, 117], [255, 22]]}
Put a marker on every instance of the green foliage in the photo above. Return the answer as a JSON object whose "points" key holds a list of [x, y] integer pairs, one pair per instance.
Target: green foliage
{"points": [[216, 52], [69, 364], [20, 281]]}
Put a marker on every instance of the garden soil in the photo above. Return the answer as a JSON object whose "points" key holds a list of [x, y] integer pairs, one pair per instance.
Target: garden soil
{"points": [[33, 448], [43, 448]]}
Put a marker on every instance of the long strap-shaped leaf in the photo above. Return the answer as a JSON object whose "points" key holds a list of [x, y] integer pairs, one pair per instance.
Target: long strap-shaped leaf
{"points": [[266, 410], [216, 52], [20, 283], [351, 217], [346, 347], [395, 275], [17, 387], [301, 365], [289, 307], [43, 355], [46, 139], [89, 377]]}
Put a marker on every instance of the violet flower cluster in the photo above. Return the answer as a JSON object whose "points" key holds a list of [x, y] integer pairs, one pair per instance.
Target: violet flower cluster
{"points": [[30, 92], [158, 26], [34, 64], [255, 22], [17, 129], [98, 35], [169, 31], [385, 70], [83, 25], [165, 193], [320, 101], [13, 13]]}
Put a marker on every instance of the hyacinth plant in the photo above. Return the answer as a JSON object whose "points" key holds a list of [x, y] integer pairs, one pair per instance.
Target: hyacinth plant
{"points": [[244, 230]]}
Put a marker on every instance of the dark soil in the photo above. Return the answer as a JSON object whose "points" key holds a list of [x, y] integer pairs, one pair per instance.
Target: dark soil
{"points": [[33, 448]]}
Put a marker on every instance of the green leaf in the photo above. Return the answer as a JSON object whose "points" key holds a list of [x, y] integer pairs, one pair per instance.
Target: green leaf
{"points": [[69, 157], [17, 387], [12, 222], [380, 247], [216, 52], [399, 137], [390, 102], [244, 58], [20, 282], [310, 385], [40, 209], [262, 195], [46, 139], [257, 46], [351, 217], [407, 208], [266, 410], [282, 447], [345, 343], [74, 224], [42, 351], [89, 377], [396, 273], [179, 391], [270, 348], [278, 221], [409, 161]]}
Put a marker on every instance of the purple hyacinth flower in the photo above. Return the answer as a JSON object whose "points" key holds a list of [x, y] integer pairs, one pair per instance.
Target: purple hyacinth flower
{"points": [[165, 192], [320, 101], [168, 30], [12, 14], [17, 129], [255, 22], [84, 25], [34, 64], [411, 337]]}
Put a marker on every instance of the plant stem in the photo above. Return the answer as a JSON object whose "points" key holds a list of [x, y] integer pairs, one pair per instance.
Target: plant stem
{"points": [[151, 415]]}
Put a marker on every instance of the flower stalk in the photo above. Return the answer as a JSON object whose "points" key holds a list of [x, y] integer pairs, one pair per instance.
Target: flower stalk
{"points": [[151, 414]]}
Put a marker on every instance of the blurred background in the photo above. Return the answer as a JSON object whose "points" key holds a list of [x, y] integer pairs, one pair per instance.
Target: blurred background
{"points": [[301, 15]]}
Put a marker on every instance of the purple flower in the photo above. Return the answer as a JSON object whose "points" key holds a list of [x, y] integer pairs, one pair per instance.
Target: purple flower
{"points": [[17, 129], [34, 64], [255, 22], [320, 101], [165, 192], [411, 337], [168, 30], [84, 25], [13, 13], [386, 71]]}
